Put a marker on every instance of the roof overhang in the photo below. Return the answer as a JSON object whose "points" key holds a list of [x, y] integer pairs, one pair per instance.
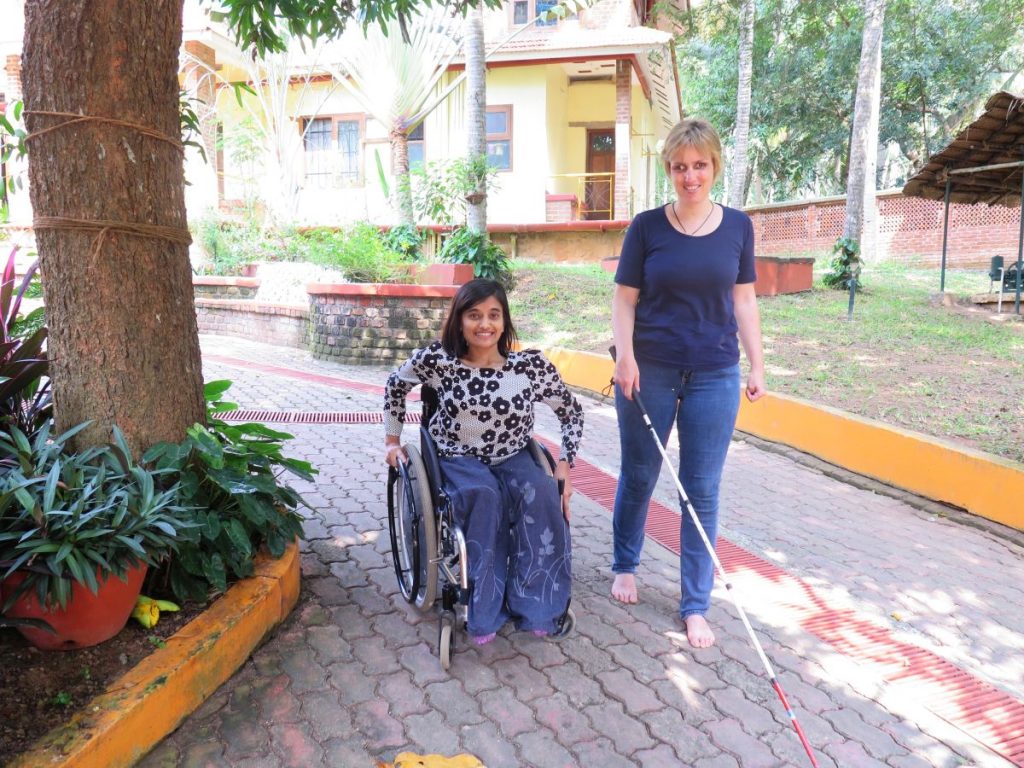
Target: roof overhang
{"points": [[984, 163]]}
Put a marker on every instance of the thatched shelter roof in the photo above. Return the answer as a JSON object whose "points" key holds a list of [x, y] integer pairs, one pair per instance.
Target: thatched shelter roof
{"points": [[995, 138]]}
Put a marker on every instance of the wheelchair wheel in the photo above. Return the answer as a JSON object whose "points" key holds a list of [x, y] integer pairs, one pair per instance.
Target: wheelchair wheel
{"points": [[542, 456], [413, 528], [445, 639], [566, 627]]}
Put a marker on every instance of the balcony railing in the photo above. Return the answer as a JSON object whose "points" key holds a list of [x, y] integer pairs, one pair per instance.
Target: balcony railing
{"points": [[593, 193]]}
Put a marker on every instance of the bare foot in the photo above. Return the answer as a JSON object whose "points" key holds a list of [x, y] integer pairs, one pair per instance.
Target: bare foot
{"points": [[698, 632], [624, 588]]}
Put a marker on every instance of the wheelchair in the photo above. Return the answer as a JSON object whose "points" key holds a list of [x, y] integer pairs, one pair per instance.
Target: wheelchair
{"points": [[427, 547]]}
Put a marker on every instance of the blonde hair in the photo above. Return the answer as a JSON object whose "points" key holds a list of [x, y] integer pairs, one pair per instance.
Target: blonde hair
{"points": [[697, 133]]}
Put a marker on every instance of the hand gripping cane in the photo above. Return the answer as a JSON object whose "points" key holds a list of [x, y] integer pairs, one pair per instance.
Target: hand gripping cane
{"points": [[725, 577]]}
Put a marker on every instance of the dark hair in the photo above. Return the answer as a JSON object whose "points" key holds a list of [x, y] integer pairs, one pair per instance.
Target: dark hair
{"points": [[468, 296]]}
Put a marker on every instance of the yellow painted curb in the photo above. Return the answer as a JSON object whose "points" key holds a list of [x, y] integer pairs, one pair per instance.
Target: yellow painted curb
{"points": [[983, 484], [137, 711]]}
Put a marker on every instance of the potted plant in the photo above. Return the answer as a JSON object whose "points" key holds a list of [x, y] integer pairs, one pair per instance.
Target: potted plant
{"points": [[78, 531]]}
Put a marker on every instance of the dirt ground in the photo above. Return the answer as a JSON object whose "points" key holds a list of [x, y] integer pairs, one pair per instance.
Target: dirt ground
{"points": [[40, 690]]}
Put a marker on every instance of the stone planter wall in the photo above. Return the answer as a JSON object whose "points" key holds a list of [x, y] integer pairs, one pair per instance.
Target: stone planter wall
{"points": [[374, 323], [282, 324], [217, 287]]}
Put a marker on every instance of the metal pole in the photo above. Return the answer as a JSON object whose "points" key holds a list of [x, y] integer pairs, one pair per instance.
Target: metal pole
{"points": [[945, 237], [1020, 249]]}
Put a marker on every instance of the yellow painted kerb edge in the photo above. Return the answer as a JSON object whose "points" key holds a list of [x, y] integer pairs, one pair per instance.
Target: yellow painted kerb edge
{"points": [[135, 713], [985, 485]]}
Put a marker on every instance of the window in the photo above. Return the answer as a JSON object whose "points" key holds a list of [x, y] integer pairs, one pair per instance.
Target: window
{"points": [[416, 154], [333, 151], [524, 11], [499, 137]]}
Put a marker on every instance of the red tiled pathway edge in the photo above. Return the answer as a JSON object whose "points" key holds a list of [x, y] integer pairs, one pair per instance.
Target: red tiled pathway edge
{"points": [[980, 710]]}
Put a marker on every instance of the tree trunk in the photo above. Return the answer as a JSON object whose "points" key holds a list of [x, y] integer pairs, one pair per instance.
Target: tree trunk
{"points": [[864, 135], [741, 134], [123, 340], [476, 113], [399, 140]]}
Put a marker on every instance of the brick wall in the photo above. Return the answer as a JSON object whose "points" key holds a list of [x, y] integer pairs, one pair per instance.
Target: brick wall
{"points": [[361, 323], [909, 230], [12, 66], [281, 324]]}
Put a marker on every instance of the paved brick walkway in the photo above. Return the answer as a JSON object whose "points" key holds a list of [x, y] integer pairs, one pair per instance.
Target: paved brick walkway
{"points": [[841, 581]]}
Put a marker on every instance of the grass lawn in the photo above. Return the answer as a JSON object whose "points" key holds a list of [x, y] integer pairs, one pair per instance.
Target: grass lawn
{"points": [[904, 359]]}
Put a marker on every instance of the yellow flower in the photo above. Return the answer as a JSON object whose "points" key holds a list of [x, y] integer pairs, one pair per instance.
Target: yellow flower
{"points": [[147, 610]]}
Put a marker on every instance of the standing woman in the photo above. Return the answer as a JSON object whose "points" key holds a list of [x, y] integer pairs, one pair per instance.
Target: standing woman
{"points": [[515, 522], [684, 296]]}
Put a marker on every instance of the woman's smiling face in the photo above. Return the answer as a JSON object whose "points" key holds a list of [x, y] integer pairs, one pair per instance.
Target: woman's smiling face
{"points": [[693, 174], [482, 326]]}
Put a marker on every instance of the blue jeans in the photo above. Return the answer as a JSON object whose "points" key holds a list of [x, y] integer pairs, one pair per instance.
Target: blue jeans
{"points": [[517, 542], [703, 405]]}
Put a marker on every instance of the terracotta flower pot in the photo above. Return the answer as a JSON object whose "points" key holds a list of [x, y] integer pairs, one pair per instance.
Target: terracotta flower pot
{"points": [[88, 619]]}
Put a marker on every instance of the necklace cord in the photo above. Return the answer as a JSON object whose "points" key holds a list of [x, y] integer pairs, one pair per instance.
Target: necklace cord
{"points": [[699, 226]]}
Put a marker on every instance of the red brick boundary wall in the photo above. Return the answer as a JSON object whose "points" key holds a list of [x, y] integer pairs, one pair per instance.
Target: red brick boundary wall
{"points": [[282, 324], [909, 230], [374, 322]]}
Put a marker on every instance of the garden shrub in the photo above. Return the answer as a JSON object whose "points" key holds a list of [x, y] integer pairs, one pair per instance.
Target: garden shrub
{"points": [[230, 477], [464, 246], [359, 251]]}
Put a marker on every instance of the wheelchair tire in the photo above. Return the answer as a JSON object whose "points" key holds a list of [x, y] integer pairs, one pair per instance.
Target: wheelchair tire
{"points": [[445, 639], [542, 456], [567, 627], [413, 528]]}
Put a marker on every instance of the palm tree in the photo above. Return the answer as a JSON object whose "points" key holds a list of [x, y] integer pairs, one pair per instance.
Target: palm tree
{"points": [[396, 81]]}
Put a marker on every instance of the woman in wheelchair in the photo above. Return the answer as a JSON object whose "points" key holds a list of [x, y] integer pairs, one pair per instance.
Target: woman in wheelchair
{"points": [[513, 518]]}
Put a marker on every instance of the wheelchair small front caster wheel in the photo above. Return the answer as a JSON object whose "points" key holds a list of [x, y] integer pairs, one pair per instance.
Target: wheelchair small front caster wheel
{"points": [[568, 624], [445, 639]]}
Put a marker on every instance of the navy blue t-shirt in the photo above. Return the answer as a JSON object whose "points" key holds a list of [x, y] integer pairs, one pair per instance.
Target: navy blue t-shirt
{"points": [[685, 316]]}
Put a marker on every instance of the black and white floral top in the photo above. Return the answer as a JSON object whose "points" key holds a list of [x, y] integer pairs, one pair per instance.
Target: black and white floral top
{"points": [[484, 412]]}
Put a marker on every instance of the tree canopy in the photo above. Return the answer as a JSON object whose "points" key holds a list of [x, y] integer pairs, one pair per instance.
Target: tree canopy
{"points": [[261, 23], [941, 59]]}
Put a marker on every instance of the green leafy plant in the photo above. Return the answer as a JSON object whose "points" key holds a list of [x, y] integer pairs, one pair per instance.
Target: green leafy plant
{"points": [[406, 239], [440, 188], [359, 251], [464, 246], [229, 245], [24, 388], [13, 146], [65, 516], [230, 479], [61, 699], [844, 266]]}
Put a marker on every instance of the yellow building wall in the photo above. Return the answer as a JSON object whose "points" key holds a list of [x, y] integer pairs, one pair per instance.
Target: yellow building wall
{"points": [[549, 130], [643, 147], [519, 196], [558, 131]]}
